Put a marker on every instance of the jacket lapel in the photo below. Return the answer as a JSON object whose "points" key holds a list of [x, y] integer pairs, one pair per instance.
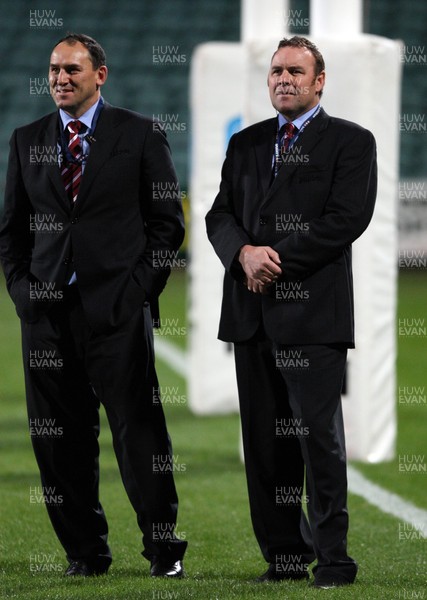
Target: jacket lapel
{"points": [[309, 138], [264, 151], [50, 140], [106, 135]]}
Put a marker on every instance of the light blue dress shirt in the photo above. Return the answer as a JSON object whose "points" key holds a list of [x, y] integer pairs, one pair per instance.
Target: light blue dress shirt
{"points": [[87, 119], [299, 121]]}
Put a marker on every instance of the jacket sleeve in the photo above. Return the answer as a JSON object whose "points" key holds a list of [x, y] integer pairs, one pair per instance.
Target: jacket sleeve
{"points": [[347, 213], [163, 217], [16, 239], [224, 231]]}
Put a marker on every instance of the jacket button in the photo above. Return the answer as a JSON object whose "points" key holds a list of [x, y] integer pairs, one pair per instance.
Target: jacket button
{"points": [[74, 221], [263, 221], [66, 261]]}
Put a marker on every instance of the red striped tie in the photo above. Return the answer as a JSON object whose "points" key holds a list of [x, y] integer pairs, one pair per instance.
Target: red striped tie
{"points": [[72, 171], [290, 131]]}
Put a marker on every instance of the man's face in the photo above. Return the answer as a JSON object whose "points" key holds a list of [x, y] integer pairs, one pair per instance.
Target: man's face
{"points": [[292, 82], [72, 79]]}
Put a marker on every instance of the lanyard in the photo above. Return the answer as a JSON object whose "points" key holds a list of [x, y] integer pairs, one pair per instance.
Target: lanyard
{"points": [[277, 155], [63, 142]]}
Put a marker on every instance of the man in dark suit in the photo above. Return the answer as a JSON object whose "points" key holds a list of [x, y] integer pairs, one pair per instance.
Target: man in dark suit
{"points": [[80, 242], [296, 191]]}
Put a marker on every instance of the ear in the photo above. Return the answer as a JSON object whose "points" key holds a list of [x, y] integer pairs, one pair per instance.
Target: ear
{"points": [[102, 75], [320, 81]]}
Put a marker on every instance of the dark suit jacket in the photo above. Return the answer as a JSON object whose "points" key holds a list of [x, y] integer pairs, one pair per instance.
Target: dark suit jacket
{"points": [[111, 232], [321, 201]]}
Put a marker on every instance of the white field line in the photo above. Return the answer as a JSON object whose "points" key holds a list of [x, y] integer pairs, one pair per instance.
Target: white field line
{"points": [[382, 499], [386, 501], [175, 357]]}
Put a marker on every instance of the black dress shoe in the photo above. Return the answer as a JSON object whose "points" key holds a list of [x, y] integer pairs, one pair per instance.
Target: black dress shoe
{"points": [[272, 574], [161, 568], [80, 568]]}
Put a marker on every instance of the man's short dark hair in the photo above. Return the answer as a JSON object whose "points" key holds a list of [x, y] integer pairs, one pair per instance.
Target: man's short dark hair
{"points": [[301, 42], [96, 51]]}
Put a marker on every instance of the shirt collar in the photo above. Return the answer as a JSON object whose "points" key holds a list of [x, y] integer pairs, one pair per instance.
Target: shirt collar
{"points": [[86, 117], [299, 121]]}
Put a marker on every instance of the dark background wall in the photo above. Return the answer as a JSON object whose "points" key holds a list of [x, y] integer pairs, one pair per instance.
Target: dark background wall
{"points": [[136, 35]]}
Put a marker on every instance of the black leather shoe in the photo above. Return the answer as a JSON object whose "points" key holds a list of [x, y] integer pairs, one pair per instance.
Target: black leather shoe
{"points": [[80, 568], [272, 574], [161, 568]]}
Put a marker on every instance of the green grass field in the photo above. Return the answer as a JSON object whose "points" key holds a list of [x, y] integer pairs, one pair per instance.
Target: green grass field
{"points": [[223, 557]]}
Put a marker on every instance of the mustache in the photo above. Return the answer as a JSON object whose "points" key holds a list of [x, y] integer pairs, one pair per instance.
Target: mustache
{"points": [[286, 89]]}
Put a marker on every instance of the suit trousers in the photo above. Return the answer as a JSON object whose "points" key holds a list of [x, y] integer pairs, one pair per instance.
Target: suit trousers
{"points": [[69, 371], [293, 435]]}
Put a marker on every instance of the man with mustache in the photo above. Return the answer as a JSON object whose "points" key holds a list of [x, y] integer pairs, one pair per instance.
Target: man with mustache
{"points": [[78, 242], [296, 191]]}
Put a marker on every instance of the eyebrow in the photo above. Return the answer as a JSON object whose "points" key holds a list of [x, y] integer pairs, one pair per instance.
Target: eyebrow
{"points": [[70, 66], [288, 68]]}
